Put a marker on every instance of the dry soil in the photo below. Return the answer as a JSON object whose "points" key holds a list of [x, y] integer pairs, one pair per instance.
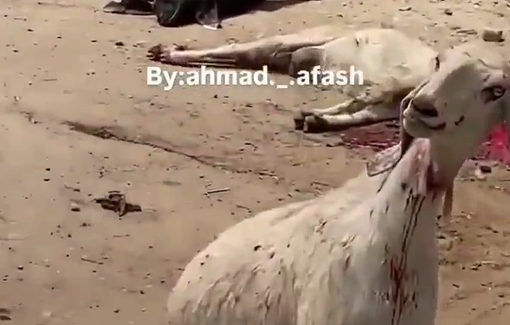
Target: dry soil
{"points": [[77, 120]]}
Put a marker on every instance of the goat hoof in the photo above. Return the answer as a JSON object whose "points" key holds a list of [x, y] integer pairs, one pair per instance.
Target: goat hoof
{"points": [[163, 54], [299, 119], [155, 52], [315, 124]]}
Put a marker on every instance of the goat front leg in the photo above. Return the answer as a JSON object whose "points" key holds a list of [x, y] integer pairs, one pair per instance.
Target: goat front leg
{"points": [[273, 52], [348, 106], [377, 105], [371, 114], [299, 118]]}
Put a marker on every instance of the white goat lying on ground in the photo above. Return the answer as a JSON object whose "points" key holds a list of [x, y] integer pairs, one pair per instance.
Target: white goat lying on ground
{"points": [[391, 62], [366, 253]]}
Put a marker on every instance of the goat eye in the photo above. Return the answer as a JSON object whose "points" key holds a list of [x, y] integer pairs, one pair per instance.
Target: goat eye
{"points": [[493, 93]]}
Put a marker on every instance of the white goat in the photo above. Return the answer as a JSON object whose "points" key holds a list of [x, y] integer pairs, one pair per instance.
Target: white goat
{"points": [[366, 253], [392, 64]]}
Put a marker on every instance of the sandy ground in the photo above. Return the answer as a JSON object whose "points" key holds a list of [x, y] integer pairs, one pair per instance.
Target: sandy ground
{"points": [[70, 72]]}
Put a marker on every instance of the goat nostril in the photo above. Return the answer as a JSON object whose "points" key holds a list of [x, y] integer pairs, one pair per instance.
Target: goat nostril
{"points": [[426, 110]]}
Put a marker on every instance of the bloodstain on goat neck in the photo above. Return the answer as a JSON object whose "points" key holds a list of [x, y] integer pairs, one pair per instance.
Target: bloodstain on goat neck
{"points": [[421, 180], [403, 295], [423, 174]]}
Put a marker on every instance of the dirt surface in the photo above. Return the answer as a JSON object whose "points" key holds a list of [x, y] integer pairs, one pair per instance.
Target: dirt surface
{"points": [[77, 121]]}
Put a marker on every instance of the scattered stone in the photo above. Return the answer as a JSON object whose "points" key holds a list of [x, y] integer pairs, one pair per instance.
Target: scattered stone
{"points": [[493, 35], [217, 190], [5, 314], [85, 258], [74, 189], [47, 314], [466, 31], [140, 43], [5, 317], [116, 201], [448, 12], [485, 169], [75, 207]]}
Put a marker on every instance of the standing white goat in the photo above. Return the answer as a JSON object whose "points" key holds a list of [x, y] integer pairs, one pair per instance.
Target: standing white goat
{"points": [[366, 253]]}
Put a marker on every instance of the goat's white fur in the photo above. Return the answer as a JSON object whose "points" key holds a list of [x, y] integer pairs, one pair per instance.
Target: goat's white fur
{"points": [[339, 259], [392, 64], [324, 261]]}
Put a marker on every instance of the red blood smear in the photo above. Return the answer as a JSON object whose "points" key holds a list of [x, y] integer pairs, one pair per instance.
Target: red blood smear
{"points": [[496, 148], [378, 136], [384, 135]]}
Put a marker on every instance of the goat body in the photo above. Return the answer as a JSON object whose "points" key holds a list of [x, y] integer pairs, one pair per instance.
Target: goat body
{"points": [[362, 254], [391, 62]]}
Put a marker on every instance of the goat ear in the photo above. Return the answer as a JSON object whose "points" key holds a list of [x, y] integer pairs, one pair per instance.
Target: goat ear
{"points": [[389, 158], [405, 138]]}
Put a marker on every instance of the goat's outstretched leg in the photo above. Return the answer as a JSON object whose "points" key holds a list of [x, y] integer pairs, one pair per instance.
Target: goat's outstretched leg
{"points": [[273, 52], [371, 114], [371, 108], [345, 106]]}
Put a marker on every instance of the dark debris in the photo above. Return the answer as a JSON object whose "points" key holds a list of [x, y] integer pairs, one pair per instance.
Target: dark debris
{"points": [[116, 201]]}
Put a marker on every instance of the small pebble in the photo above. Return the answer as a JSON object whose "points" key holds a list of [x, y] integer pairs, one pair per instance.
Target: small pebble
{"points": [[493, 35], [75, 207], [47, 314], [140, 43], [485, 169]]}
